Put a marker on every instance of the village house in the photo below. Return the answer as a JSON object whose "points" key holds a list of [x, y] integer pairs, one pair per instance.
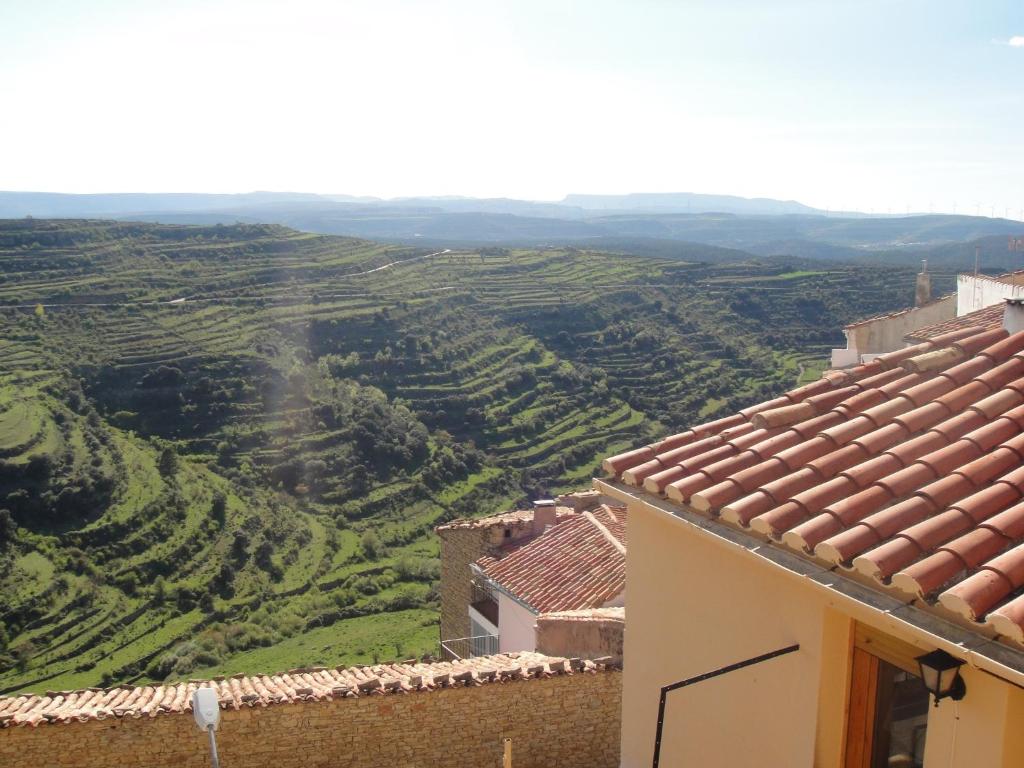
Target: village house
{"points": [[807, 574], [507, 577], [977, 301]]}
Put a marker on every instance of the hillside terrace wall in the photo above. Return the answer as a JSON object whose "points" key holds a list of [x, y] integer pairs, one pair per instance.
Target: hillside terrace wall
{"points": [[565, 720]]}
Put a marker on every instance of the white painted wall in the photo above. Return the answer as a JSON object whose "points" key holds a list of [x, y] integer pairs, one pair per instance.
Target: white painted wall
{"points": [[482, 622], [974, 293], [516, 626]]}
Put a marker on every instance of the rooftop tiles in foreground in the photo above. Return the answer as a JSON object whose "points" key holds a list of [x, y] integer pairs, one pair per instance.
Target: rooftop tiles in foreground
{"points": [[906, 472]]}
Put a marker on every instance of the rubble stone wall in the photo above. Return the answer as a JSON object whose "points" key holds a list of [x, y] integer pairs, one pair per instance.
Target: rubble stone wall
{"points": [[567, 720]]}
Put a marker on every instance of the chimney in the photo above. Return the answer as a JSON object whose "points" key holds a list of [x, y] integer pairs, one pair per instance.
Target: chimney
{"points": [[923, 288], [544, 515], [1013, 315]]}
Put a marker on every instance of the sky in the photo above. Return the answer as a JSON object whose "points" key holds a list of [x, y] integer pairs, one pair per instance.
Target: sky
{"points": [[866, 105]]}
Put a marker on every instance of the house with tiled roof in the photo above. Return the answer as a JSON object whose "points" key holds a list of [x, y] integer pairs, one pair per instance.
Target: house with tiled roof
{"points": [[798, 568], [500, 574], [977, 302]]}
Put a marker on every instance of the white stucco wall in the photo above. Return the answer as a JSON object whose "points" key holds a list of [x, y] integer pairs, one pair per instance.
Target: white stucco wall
{"points": [[974, 293], [516, 626]]}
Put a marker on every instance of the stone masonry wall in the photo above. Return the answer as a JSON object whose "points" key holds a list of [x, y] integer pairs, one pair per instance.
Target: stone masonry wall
{"points": [[565, 721], [459, 548]]}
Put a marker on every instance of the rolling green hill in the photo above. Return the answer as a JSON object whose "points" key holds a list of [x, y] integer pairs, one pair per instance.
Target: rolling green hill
{"points": [[228, 446]]}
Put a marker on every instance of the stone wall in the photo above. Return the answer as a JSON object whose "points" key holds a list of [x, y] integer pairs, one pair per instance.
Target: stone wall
{"points": [[564, 720], [589, 634]]}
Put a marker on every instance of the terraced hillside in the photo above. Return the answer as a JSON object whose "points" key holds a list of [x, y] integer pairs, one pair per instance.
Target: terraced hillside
{"points": [[226, 447]]}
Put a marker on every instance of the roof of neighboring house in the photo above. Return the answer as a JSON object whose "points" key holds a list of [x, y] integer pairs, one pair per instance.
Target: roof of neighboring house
{"points": [[502, 518], [982, 320], [317, 684], [579, 563], [907, 471]]}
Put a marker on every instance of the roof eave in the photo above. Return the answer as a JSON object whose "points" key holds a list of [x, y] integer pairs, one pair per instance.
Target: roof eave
{"points": [[878, 609]]}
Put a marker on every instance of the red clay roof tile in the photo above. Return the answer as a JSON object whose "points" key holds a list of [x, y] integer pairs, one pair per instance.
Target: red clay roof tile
{"points": [[918, 446], [656, 483], [742, 510], [880, 439], [906, 480], [818, 497], [883, 378], [1002, 374], [1004, 349], [886, 412], [828, 400], [760, 474], [949, 457], [783, 417], [928, 415], [887, 558], [843, 433], [811, 427], [834, 462], [779, 519], [852, 509], [947, 490], [927, 391], [806, 535], [866, 473], [986, 340], [969, 369]]}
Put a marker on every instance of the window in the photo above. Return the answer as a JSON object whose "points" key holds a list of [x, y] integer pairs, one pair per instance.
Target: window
{"points": [[888, 712]]}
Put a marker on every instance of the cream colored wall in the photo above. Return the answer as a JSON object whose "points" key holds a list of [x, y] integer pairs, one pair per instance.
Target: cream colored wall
{"points": [[694, 609], [886, 334], [696, 605], [984, 729]]}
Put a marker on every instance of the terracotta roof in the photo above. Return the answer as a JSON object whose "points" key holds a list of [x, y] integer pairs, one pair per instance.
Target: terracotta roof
{"points": [[907, 472], [981, 320], [503, 518], [580, 563], [316, 684]]}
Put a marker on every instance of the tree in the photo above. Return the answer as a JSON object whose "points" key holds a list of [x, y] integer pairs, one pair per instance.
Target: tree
{"points": [[371, 545], [168, 464], [218, 509], [8, 529], [40, 311]]}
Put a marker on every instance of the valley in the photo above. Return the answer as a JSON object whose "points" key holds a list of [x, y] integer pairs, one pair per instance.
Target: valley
{"points": [[216, 441]]}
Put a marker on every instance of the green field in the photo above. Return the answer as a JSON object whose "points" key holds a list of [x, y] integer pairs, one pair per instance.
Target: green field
{"points": [[250, 479]]}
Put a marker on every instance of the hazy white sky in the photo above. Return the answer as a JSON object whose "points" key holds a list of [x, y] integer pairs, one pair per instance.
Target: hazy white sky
{"points": [[861, 104]]}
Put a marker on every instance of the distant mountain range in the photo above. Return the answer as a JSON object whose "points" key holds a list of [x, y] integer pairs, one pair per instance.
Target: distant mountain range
{"points": [[642, 223]]}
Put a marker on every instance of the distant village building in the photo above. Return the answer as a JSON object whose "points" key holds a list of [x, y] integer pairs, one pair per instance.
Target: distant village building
{"points": [[501, 575], [977, 302], [807, 573]]}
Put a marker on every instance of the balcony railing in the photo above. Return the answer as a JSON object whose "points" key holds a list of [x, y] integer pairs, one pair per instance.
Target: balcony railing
{"points": [[464, 647]]}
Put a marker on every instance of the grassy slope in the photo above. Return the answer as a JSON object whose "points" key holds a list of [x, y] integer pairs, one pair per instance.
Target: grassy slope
{"points": [[525, 366]]}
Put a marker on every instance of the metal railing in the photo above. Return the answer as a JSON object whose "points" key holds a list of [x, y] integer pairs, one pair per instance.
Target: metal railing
{"points": [[465, 647]]}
